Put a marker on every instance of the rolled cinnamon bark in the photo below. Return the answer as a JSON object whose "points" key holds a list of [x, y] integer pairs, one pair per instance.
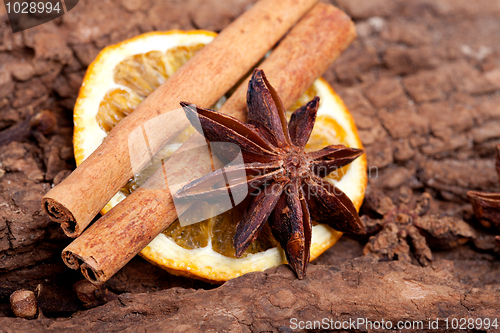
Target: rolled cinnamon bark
{"points": [[203, 80], [306, 52]]}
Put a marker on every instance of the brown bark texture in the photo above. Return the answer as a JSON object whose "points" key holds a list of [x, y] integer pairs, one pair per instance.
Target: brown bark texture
{"points": [[268, 301]]}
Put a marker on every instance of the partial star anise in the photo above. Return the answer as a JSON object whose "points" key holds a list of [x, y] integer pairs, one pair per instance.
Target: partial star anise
{"points": [[486, 205], [289, 189]]}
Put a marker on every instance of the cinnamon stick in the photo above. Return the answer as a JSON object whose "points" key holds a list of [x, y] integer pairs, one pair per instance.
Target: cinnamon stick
{"points": [[203, 80], [306, 52]]}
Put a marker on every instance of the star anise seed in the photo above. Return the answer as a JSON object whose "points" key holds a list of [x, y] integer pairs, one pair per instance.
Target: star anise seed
{"points": [[289, 188]]}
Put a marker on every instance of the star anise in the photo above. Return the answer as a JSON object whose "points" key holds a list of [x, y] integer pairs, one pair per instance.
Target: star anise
{"points": [[486, 206], [289, 189], [407, 227]]}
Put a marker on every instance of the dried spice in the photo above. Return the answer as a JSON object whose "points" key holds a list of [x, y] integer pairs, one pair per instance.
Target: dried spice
{"points": [[487, 205], [289, 191], [92, 295], [295, 63], [78, 199], [486, 208], [406, 227], [24, 303]]}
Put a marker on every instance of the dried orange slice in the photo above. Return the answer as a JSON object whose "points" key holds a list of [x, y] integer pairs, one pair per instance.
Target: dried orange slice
{"points": [[122, 76]]}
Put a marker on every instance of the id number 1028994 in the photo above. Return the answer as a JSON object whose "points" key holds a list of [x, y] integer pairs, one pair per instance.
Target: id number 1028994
{"points": [[471, 323], [31, 7]]}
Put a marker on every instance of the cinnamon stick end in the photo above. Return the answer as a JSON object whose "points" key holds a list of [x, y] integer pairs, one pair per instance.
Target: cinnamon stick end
{"points": [[60, 214], [86, 264], [95, 276], [70, 259]]}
